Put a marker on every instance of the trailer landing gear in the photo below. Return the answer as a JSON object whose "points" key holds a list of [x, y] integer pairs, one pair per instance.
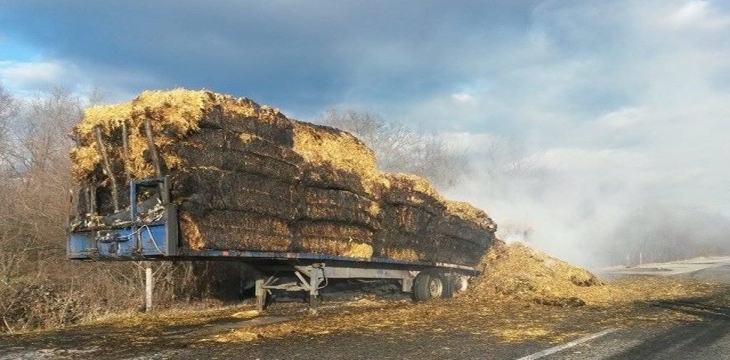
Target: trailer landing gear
{"points": [[311, 278]]}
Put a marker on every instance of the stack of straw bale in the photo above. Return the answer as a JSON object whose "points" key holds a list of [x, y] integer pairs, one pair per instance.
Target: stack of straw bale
{"points": [[245, 177]]}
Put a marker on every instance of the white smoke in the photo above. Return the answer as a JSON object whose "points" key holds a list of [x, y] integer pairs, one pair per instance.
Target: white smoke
{"points": [[592, 208]]}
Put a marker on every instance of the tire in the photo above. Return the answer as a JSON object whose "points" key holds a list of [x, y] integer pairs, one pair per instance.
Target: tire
{"points": [[459, 284], [431, 284], [448, 292]]}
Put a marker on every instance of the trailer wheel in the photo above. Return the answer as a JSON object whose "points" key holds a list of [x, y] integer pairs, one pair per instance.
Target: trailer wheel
{"points": [[448, 287], [459, 284], [430, 284]]}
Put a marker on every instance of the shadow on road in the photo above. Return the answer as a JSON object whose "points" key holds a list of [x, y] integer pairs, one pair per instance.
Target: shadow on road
{"points": [[687, 338], [697, 307]]}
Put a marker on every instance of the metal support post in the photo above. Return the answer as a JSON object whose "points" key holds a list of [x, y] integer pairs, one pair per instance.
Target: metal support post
{"points": [[148, 287], [260, 295], [407, 284], [313, 291]]}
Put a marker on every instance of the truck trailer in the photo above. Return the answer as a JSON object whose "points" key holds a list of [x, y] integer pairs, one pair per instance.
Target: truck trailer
{"points": [[148, 230]]}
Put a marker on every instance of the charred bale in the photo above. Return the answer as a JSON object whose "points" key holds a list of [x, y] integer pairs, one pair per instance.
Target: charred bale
{"points": [[405, 218], [338, 206], [327, 176], [234, 230], [213, 189], [334, 238]]}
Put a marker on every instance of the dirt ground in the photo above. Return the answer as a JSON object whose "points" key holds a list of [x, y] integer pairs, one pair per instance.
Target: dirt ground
{"points": [[371, 324]]}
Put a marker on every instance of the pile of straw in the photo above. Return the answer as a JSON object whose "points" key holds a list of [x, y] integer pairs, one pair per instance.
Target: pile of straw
{"points": [[517, 271]]}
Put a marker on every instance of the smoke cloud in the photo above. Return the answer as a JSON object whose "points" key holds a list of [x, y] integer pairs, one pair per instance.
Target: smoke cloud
{"points": [[594, 208]]}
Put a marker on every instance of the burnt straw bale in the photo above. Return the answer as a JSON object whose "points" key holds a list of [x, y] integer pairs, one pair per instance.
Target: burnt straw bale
{"points": [[226, 230], [212, 189], [327, 237], [406, 218], [242, 152], [328, 176], [338, 206]]}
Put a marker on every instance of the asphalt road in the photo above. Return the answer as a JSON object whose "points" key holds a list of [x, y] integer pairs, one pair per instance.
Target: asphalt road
{"points": [[706, 339]]}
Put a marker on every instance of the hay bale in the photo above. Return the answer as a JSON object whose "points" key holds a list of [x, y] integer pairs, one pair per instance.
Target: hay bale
{"points": [[389, 242], [456, 227], [190, 235], [405, 218], [338, 206], [326, 237], [234, 238], [336, 247], [402, 189], [470, 214], [233, 230], [409, 183], [173, 115], [398, 246], [182, 111], [332, 147], [241, 152], [214, 189], [246, 162], [453, 250], [245, 116], [327, 176], [426, 248], [237, 141]]}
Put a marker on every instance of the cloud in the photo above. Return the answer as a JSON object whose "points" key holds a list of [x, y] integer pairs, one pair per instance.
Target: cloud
{"points": [[699, 13], [463, 98], [574, 113], [32, 75], [691, 12], [291, 53], [25, 79]]}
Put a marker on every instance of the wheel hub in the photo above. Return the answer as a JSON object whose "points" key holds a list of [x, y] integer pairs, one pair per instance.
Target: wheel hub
{"points": [[435, 287]]}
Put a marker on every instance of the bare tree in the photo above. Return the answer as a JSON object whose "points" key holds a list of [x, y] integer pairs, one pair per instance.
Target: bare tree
{"points": [[35, 191], [8, 110], [43, 142], [33, 269], [8, 105], [39, 287], [400, 149]]}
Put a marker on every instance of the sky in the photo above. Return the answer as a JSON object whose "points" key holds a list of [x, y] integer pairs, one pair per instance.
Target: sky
{"points": [[577, 115]]}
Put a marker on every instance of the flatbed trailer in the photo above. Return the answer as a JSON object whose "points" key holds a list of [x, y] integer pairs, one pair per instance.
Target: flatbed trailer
{"points": [[155, 236]]}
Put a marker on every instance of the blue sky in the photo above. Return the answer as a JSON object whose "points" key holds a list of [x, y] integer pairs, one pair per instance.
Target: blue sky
{"points": [[621, 103]]}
